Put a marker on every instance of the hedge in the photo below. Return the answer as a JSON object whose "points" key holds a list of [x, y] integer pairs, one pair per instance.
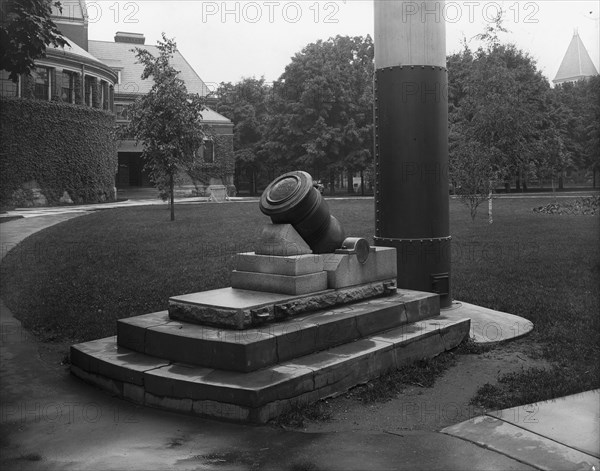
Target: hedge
{"points": [[55, 147]]}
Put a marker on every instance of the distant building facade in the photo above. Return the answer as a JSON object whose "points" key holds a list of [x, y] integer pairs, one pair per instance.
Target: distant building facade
{"points": [[120, 57], [104, 75], [576, 64]]}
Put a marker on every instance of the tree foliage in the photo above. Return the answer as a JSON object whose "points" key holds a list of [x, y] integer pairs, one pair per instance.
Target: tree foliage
{"points": [[322, 107], [500, 100], [502, 107], [577, 110], [500, 117], [26, 30], [246, 104], [167, 120]]}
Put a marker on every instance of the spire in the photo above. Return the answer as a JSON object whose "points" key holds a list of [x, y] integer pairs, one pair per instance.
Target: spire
{"points": [[576, 64]]}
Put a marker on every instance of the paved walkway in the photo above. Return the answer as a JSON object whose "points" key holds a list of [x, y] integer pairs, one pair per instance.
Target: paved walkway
{"points": [[146, 198], [86, 208], [550, 435], [50, 420]]}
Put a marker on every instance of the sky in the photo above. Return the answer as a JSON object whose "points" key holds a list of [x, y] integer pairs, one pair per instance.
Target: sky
{"points": [[225, 41]]}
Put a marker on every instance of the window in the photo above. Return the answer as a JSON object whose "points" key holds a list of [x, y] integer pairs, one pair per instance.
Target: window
{"points": [[67, 93], [7, 86], [89, 86], [111, 97], [41, 83], [105, 96], [121, 112], [207, 151]]}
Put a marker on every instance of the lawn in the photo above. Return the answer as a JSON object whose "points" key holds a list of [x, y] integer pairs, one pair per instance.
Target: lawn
{"points": [[70, 282]]}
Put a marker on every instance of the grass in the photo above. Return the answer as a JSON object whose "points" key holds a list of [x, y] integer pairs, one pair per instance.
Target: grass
{"points": [[298, 414], [422, 373], [9, 218], [72, 281]]}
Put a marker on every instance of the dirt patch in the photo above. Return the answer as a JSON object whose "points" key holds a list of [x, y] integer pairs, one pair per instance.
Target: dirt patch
{"points": [[446, 403]]}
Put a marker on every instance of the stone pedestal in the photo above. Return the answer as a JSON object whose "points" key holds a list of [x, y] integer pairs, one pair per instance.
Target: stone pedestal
{"points": [[253, 375], [293, 328]]}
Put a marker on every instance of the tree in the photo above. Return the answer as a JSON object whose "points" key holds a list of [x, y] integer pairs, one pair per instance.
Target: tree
{"points": [[322, 108], [246, 105], [26, 30], [168, 120], [498, 105], [577, 119], [474, 170]]}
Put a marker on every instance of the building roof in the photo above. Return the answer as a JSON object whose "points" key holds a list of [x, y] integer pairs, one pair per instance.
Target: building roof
{"points": [[74, 50], [211, 116], [119, 56], [576, 63]]}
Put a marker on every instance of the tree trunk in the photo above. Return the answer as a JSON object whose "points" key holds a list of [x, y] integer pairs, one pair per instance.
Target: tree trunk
{"points": [[362, 183], [560, 182], [490, 217], [350, 182], [331, 182], [236, 177], [253, 183], [518, 182], [172, 191]]}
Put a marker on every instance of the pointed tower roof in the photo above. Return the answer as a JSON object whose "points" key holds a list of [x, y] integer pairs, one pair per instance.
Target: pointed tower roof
{"points": [[576, 64]]}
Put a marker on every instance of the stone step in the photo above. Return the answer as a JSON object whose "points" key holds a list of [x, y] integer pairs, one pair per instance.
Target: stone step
{"points": [[248, 350], [260, 395]]}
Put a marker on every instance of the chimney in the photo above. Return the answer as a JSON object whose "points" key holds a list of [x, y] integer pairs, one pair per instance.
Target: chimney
{"points": [[131, 38]]}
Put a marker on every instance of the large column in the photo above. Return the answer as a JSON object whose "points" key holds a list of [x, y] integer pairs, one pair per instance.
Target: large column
{"points": [[411, 142]]}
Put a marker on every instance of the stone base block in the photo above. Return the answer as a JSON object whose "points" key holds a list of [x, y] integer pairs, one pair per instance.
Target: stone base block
{"points": [[289, 266], [271, 283], [345, 270]]}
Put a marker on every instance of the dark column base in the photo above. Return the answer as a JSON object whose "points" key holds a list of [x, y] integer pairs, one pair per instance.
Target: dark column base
{"points": [[423, 264]]}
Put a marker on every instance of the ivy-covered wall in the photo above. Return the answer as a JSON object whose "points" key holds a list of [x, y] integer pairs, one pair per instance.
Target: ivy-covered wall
{"points": [[222, 168], [52, 152]]}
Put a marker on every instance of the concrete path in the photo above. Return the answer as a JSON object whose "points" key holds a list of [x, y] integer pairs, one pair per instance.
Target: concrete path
{"points": [[86, 208], [557, 434], [487, 325], [144, 197], [50, 420], [13, 232]]}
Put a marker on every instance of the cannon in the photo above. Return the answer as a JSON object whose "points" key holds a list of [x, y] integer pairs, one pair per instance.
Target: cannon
{"points": [[292, 198]]}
